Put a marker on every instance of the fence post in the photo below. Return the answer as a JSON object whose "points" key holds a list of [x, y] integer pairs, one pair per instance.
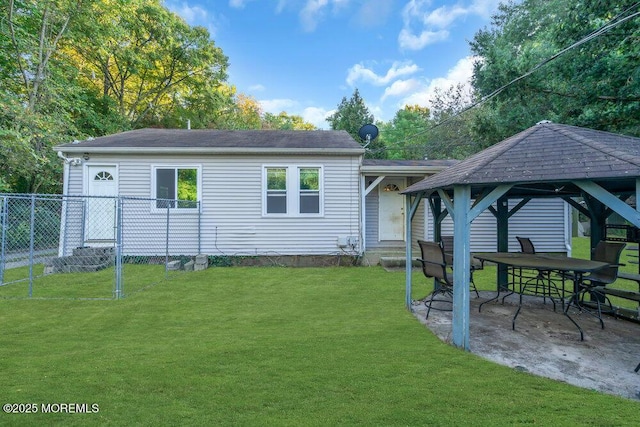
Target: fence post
{"points": [[118, 263], [3, 235], [166, 246], [32, 224]]}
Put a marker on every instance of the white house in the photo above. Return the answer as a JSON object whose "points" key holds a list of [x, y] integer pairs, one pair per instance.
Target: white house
{"points": [[252, 193]]}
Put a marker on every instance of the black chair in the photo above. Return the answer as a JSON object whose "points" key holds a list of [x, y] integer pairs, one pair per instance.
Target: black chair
{"points": [[592, 284], [434, 265], [541, 283], [447, 245]]}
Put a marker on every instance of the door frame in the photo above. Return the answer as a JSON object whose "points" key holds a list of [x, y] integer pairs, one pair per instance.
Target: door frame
{"points": [[402, 182], [89, 169]]}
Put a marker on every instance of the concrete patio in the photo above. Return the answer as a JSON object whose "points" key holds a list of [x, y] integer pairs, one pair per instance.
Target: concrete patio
{"points": [[547, 344]]}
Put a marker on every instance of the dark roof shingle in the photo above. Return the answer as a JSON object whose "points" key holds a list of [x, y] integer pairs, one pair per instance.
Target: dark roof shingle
{"points": [[546, 152], [203, 139]]}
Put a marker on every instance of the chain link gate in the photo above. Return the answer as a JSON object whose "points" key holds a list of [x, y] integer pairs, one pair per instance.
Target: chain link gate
{"points": [[55, 246]]}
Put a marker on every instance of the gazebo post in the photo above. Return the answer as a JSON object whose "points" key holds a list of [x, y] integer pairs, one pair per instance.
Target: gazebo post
{"points": [[462, 265], [502, 219]]}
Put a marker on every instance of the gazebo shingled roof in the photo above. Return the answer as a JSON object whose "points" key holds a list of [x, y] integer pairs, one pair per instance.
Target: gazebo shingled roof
{"points": [[545, 153]]}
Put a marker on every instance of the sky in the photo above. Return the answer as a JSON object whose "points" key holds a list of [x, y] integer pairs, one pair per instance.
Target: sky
{"points": [[304, 56]]}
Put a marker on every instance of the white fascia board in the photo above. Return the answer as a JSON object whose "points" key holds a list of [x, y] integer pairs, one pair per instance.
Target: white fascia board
{"points": [[209, 150], [401, 170]]}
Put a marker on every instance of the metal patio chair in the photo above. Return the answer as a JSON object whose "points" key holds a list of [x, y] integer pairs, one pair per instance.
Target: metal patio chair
{"points": [[447, 245], [434, 265], [593, 284], [541, 283]]}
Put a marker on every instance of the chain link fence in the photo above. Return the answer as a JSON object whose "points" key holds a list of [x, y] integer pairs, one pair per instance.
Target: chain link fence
{"points": [[94, 247]]}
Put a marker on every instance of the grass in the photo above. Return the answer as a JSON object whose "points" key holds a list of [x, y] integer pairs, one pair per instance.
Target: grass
{"points": [[268, 346], [95, 285]]}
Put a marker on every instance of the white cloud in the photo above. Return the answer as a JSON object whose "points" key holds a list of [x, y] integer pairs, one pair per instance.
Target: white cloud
{"points": [[257, 88], [311, 13], [398, 69], [317, 116], [314, 11], [423, 26], [401, 88], [460, 73], [444, 16], [408, 40], [276, 106]]}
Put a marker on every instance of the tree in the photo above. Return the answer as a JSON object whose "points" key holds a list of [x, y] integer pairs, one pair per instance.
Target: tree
{"points": [[451, 130], [593, 85], [351, 115], [284, 121], [405, 136], [36, 111], [147, 59]]}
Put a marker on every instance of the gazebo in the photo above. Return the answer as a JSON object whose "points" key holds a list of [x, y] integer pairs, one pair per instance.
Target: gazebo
{"points": [[546, 160]]}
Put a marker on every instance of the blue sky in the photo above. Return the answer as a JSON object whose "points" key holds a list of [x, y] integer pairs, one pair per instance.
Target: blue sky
{"points": [[304, 56]]}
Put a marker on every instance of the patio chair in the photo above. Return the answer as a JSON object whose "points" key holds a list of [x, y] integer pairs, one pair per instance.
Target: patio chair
{"points": [[541, 283], [447, 245], [434, 265], [593, 284]]}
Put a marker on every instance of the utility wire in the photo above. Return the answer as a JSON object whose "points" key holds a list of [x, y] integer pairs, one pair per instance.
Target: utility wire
{"points": [[594, 34]]}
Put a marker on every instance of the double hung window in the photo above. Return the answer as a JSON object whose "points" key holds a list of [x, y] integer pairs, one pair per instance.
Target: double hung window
{"points": [[292, 190]]}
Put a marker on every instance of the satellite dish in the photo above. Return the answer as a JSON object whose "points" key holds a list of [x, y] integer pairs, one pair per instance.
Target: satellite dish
{"points": [[368, 133]]}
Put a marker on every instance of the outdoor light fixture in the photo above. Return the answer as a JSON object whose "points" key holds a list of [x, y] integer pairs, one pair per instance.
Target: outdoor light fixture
{"points": [[85, 156]]}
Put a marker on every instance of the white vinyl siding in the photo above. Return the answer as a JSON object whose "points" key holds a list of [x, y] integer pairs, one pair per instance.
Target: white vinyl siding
{"points": [[544, 221], [232, 221]]}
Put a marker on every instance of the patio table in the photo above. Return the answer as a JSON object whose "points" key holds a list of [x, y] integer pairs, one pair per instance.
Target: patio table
{"points": [[573, 268]]}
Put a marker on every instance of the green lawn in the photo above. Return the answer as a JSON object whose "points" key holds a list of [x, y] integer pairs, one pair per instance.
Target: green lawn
{"points": [[268, 346]]}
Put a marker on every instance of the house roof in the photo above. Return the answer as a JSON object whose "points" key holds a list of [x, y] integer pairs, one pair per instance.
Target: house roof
{"points": [[405, 167], [545, 153], [160, 141]]}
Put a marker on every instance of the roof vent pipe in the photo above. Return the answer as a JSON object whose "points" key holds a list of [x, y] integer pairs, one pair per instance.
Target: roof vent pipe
{"points": [[188, 124]]}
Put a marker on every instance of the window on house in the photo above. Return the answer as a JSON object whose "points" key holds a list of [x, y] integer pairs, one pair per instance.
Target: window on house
{"points": [[179, 186], [276, 190], [309, 190], [293, 190]]}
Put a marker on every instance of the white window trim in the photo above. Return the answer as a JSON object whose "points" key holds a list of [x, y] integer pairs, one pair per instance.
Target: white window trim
{"points": [[176, 166], [293, 190]]}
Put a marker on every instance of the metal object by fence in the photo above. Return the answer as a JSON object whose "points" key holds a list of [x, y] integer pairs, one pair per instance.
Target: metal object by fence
{"points": [[140, 241]]}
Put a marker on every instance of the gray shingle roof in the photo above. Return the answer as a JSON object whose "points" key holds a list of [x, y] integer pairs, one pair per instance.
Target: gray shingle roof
{"points": [[401, 163], [546, 152], [159, 140]]}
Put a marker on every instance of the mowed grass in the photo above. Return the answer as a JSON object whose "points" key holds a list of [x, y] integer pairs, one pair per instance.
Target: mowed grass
{"points": [[268, 346]]}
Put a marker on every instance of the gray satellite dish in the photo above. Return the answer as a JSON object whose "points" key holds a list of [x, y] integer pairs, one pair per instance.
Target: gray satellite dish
{"points": [[368, 133]]}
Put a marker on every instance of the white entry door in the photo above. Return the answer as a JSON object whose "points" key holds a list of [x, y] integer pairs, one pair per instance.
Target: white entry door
{"points": [[391, 209], [101, 211]]}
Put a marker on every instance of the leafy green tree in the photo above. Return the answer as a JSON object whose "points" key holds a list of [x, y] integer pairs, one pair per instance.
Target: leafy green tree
{"points": [[36, 109], [593, 85], [351, 115], [451, 131], [405, 136], [284, 121], [147, 59]]}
